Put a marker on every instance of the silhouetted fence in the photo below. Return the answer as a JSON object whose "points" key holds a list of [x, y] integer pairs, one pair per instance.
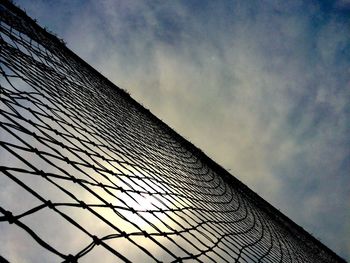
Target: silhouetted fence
{"points": [[87, 174]]}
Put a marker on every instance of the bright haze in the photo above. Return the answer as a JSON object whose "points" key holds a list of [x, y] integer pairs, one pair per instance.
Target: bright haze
{"points": [[262, 87]]}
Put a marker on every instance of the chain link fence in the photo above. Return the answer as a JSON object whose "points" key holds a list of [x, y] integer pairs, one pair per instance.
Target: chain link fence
{"points": [[89, 175]]}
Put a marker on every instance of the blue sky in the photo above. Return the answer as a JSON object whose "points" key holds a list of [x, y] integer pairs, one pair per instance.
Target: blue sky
{"points": [[262, 87]]}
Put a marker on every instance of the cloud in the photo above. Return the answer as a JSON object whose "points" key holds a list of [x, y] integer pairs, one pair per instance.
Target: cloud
{"points": [[261, 87]]}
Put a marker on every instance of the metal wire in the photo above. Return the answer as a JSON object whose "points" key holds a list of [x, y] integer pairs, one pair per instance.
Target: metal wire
{"points": [[87, 173]]}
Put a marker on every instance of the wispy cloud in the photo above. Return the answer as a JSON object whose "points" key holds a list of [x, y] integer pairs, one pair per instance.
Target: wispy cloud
{"points": [[262, 87]]}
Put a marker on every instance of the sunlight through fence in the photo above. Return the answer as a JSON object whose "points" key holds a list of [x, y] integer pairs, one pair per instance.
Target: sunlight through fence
{"points": [[89, 175]]}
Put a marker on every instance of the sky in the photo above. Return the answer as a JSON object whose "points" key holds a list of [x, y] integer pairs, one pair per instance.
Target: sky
{"points": [[262, 87]]}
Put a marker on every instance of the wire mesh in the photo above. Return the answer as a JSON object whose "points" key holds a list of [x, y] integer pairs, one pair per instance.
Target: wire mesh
{"points": [[87, 174]]}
